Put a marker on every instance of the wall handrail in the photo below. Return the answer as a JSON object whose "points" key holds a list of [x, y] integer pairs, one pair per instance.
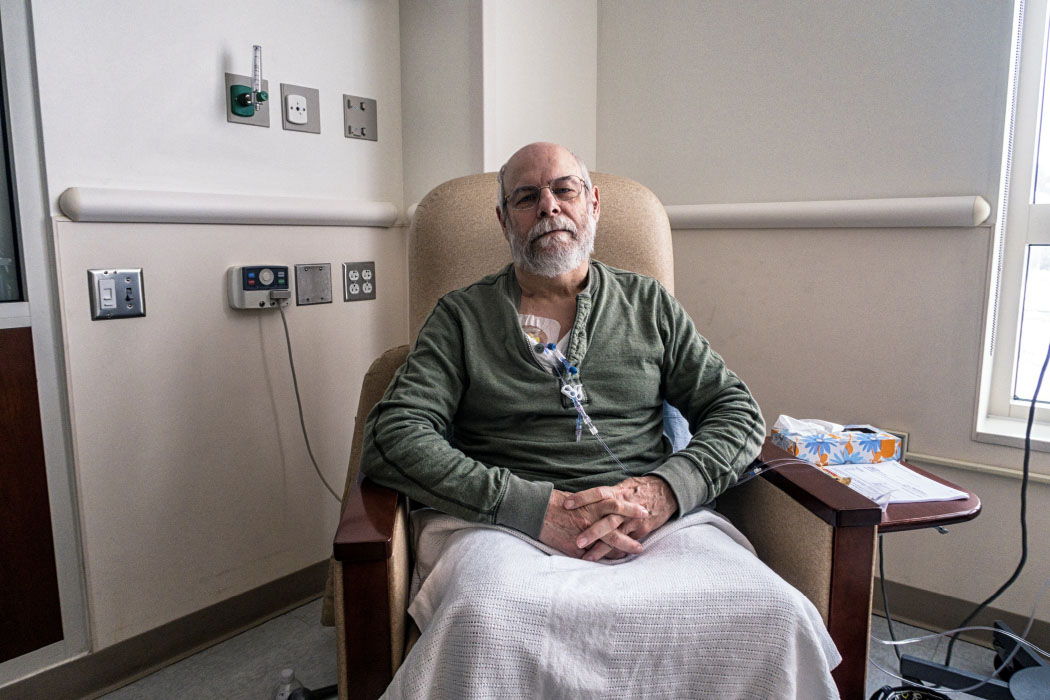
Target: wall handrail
{"points": [[150, 206], [904, 212]]}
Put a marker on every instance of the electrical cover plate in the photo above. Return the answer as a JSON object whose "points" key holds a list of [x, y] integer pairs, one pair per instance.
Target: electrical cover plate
{"points": [[360, 119], [313, 284], [116, 294], [359, 281]]}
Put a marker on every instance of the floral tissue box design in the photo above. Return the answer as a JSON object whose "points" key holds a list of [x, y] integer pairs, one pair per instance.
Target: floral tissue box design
{"points": [[854, 444]]}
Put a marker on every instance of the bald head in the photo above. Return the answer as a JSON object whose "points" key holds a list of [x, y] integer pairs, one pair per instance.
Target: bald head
{"points": [[528, 158]]}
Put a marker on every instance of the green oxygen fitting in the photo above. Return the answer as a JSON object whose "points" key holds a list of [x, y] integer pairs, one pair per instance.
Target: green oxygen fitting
{"points": [[245, 101]]}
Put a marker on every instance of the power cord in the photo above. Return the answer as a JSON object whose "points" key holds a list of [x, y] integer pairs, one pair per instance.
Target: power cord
{"points": [[1024, 513], [886, 601], [299, 402]]}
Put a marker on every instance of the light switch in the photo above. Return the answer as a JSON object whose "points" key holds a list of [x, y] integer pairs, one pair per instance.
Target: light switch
{"points": [[107, 293], [116, 294]]}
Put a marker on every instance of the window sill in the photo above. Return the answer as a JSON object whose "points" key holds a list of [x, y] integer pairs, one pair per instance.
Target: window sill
{"points": [[14, 314], [1010, 432]]}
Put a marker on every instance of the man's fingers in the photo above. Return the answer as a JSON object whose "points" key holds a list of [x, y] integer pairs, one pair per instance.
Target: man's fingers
{"points": [[598, 530], [600, 550], [605, 499], [586, 498], [623, 542]]}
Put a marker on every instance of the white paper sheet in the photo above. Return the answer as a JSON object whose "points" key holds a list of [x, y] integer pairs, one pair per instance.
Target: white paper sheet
{"points": [[892, 482]]}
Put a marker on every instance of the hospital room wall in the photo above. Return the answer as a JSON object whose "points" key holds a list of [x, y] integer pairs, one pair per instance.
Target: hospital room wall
{"points": [[476, 87], [822, 101], [193, 482]]}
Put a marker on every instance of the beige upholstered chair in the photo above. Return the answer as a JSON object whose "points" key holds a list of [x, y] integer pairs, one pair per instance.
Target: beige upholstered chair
{"points": [[816, 533]]}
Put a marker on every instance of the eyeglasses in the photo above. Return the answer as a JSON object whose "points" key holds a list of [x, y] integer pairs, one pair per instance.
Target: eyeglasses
{"points": [[566, 189]]}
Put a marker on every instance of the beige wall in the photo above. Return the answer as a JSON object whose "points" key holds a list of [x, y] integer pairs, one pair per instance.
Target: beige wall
{"points": [[193, 478], [814, 101]]}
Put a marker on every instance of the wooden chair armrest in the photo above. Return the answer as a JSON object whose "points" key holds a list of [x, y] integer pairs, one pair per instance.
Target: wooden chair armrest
{"points": [[372, 570], [367, 527]]}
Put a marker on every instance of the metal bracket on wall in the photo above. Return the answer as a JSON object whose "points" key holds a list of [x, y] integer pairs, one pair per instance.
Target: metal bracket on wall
{"points": [[313, 284]]}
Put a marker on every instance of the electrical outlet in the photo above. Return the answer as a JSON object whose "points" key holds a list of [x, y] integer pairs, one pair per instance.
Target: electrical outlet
{"points": [[359, 281], [903, 437], [313, 284], [360, 119], [300, 108]]}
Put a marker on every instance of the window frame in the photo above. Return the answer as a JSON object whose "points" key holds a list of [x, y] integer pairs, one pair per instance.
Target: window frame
{"points": [[1000, 418]]}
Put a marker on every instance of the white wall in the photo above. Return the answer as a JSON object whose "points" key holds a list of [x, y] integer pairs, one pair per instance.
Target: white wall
{"points": [[193, 482], [813, 101], [482, 78], [540, 76], [441, 66], [753, 102], [132, 95]]}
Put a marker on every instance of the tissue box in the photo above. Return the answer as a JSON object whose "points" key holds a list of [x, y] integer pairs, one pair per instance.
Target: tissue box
{"points": [[854, 444]]}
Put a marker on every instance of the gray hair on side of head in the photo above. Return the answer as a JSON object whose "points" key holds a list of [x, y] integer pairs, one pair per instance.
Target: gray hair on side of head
{"points": [[502, 201]]}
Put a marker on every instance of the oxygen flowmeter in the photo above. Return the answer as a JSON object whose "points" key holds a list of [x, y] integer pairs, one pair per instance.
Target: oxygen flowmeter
{"points": [[257, 286]]}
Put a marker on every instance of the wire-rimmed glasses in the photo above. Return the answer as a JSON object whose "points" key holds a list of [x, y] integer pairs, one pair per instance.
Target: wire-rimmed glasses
{"points": [[565, 189]]}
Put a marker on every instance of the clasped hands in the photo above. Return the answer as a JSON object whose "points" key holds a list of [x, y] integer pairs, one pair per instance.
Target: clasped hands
{"points": [[607, 521]]}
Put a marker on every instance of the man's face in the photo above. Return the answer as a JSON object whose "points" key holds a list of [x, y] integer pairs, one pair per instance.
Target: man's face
{"points": [[553, 236]]}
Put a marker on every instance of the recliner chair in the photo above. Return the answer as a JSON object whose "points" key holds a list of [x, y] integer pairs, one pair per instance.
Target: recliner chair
{"points": [[816, 533]]}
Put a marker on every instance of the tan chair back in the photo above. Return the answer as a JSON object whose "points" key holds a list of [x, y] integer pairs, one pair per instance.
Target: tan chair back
{"points": [[455, 238]]}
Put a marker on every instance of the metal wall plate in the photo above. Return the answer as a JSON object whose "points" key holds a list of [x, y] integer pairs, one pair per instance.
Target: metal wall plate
{"points": [[313, 284], [360, 119], [262, 116], [359, 281], [116, 294]]}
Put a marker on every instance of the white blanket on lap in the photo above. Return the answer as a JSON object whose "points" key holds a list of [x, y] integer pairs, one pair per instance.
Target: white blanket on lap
{"points": [[696, 615]]}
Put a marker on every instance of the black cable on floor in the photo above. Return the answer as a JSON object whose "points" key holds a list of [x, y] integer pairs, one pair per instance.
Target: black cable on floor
{"points": [[1024, 513]]}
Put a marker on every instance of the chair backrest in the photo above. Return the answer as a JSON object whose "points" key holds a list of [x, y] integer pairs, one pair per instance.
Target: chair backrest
{"points": [[455, 238]]}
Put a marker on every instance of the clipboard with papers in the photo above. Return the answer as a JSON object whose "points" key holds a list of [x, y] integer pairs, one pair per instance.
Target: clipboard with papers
{"points": [[890, 482]]}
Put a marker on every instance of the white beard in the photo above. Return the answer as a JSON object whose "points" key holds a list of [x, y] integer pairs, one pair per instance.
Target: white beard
{"points": [[552, 256]]}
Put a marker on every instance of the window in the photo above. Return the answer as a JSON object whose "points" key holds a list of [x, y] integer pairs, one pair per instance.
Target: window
{"points": [[1019, 309], [10, 278]]}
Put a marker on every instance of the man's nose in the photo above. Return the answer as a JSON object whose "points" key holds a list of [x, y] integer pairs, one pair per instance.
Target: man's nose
{"points": [[549, 205]]}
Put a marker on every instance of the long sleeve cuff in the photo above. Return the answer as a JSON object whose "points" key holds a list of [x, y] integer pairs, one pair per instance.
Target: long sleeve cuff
{"points": [[681, 475], [524, 505]]}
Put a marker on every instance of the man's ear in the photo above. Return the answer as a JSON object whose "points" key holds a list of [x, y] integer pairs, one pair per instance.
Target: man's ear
{"points": [[502, 222], [597, 203]]}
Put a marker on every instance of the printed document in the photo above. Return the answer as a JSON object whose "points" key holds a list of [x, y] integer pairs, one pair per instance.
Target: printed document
{"points": [[892, 482]]}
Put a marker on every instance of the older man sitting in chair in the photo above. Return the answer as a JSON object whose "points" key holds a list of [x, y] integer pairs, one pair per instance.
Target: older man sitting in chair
{"points": [[565, 551]]}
